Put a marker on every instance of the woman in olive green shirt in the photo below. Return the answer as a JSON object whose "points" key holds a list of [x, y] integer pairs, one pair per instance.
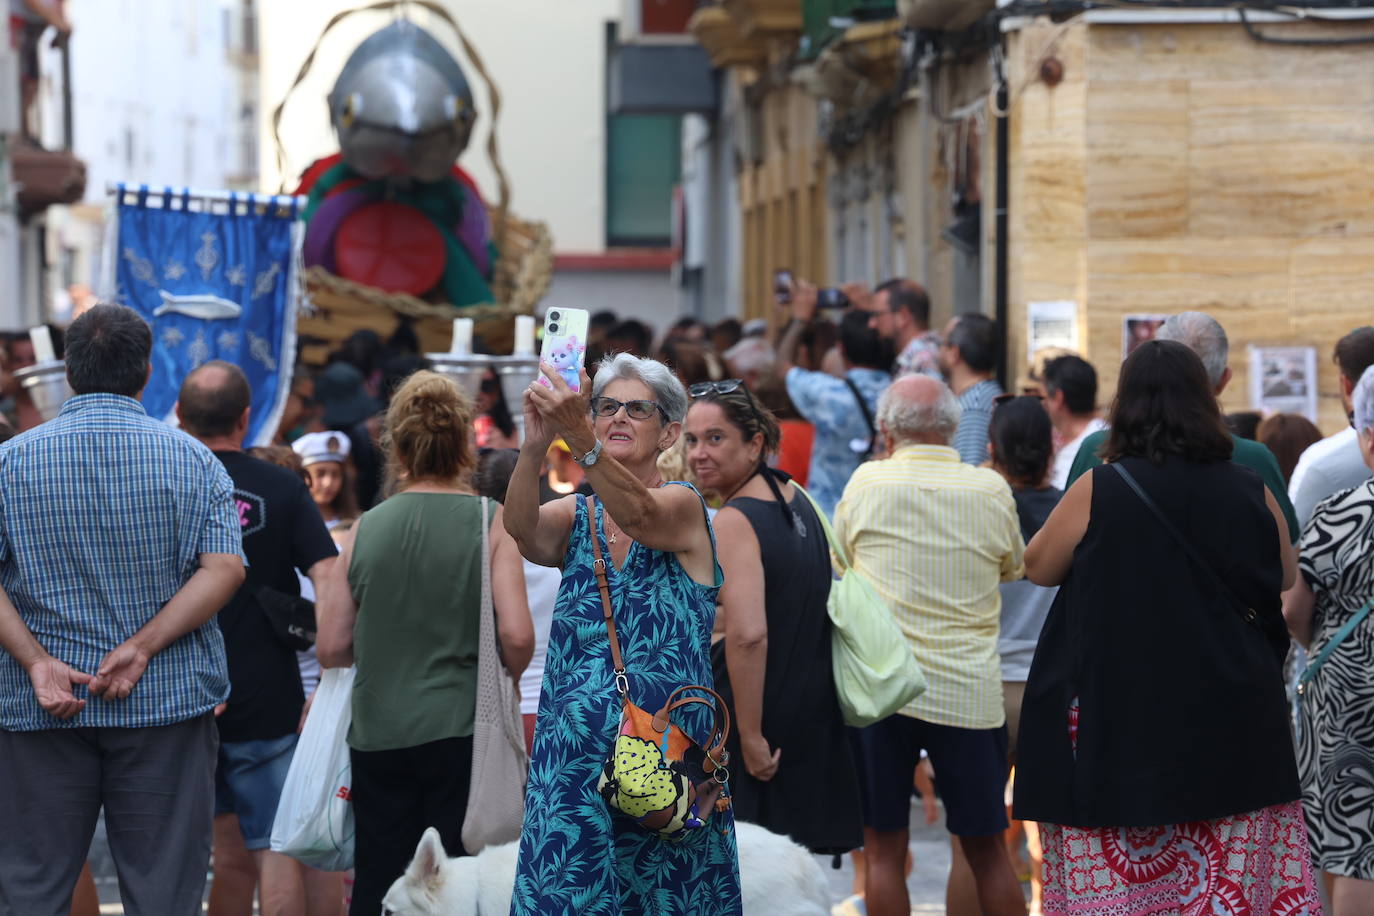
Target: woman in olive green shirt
{"points": [[404, 607]]}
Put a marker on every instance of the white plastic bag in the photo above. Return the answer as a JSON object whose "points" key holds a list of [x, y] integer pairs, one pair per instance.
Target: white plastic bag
{"points": [[314, 822]]}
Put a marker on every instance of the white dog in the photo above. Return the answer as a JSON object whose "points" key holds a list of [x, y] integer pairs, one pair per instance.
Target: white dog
{"points": [[778, 877]]}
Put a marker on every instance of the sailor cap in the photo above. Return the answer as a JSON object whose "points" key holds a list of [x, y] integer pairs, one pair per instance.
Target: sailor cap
{"points": [[330, 445]]}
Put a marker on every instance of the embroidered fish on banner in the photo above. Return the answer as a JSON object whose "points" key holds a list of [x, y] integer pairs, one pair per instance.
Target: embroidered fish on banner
{"points": [[228, 289]]}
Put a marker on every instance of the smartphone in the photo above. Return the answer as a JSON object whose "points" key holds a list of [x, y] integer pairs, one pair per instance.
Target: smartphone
{"points": [[782, 286], [565, 344], [831, 298]]}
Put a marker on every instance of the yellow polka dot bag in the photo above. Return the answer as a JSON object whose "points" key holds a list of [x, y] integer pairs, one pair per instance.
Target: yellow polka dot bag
{"points": [[655, 774]]}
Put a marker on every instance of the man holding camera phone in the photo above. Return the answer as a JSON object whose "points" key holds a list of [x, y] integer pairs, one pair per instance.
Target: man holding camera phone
{"points": [[840, 409]]}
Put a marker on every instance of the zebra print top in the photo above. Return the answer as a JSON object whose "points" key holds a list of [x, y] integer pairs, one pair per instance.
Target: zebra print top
{"points": [[1336, 740]]}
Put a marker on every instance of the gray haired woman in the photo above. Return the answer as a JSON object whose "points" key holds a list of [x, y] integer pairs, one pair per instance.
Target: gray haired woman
{"points": [[664, 579]]}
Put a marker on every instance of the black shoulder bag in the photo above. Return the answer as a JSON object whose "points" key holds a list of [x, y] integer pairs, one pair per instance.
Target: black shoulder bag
{"points": [[864, 451]]}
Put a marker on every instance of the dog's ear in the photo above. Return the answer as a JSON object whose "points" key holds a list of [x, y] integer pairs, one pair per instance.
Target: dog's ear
{"points": [[429, 858]]}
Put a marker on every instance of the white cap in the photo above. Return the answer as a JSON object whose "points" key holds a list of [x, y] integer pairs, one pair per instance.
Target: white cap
{"points": [[330, 445]]}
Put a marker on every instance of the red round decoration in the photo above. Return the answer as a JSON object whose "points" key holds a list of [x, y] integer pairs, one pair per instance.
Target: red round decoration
{"points": [[390, 246]]}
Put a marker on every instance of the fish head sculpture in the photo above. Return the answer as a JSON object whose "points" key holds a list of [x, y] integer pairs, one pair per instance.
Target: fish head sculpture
{"points": [[401, 106]]}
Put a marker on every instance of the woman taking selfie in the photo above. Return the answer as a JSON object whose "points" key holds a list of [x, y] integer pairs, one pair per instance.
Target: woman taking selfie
{"points": [[789, 736], [659, 558], [1154, 745]]}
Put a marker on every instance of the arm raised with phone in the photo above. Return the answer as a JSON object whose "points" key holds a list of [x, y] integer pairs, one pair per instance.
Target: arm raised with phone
{"points": [[616, 431]]}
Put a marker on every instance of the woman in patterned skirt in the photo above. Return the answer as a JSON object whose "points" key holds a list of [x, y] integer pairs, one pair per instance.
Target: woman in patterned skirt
{"points": [[1154, 747], [664, 578], [1336, 709]]}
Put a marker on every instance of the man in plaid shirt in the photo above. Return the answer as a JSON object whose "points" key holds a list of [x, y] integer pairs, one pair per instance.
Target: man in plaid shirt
{"points": [[119, 541]]}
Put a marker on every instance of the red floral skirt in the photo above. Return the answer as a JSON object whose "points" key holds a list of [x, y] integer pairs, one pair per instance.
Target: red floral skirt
{"points": [[1257, 864]]}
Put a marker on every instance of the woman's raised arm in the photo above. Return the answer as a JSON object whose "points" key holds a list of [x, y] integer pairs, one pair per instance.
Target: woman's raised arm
{"points": [[540, 532]]}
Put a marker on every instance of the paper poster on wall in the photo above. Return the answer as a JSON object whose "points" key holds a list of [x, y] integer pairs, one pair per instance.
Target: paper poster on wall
{"points": [[1137, 329], [1051, 324], [1284, 380]]}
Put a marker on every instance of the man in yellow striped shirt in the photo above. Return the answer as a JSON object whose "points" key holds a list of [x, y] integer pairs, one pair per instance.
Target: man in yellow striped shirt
{"points": [[935, 537]]}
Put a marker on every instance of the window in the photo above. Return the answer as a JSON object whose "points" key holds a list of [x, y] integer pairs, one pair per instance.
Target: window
{"points": [[643, 165]]}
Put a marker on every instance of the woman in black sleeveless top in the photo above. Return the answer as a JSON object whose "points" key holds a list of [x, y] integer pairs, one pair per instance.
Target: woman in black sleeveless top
{"points": [[1154, 745], [790, 762]]}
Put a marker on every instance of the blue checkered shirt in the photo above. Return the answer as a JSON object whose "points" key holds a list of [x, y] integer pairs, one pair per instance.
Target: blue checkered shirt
{"points": [[104, 512]]}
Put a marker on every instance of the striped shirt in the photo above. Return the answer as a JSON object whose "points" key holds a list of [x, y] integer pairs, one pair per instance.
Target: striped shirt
{"points": [[935, 537], [104, 512], [975, 415]]}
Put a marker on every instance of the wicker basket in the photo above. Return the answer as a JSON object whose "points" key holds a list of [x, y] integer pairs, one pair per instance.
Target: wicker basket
{"points": [[338, 307]]}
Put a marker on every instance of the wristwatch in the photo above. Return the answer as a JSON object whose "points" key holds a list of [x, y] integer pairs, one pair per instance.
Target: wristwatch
{"points": [[590, 457]]}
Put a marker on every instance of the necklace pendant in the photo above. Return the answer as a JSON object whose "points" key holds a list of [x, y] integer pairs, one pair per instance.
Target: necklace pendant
{"points": [[611, 539]]}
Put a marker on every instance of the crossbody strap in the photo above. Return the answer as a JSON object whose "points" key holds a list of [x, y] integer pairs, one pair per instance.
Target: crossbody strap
{"points": [[603, 585], [1333, 643], [868, 416], [835, 547], [1248, 614]]}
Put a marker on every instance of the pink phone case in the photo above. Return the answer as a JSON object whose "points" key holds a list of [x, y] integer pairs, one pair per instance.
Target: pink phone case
{"points": [[565, 350]]}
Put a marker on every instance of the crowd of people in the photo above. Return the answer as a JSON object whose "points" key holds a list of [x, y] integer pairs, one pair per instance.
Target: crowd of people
{"points": [[1107, 607]]}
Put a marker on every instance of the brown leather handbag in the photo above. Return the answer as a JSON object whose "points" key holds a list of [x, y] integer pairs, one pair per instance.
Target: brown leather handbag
{"points": [[656, 774]]}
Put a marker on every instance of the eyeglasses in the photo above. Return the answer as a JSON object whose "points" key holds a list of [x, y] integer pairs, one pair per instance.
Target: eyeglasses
{"points": [[635, 410]]}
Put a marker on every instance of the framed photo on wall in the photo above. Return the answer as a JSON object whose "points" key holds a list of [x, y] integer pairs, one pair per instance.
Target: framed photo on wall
{"points": [[1284, 380], [1136, 329]]}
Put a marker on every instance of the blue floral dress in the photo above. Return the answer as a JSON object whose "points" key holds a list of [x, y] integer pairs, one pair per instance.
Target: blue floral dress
{"points": [[574, 857]]}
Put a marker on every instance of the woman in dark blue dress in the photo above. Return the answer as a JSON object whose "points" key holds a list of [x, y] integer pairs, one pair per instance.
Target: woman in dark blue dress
{"points": [[664, 578]]}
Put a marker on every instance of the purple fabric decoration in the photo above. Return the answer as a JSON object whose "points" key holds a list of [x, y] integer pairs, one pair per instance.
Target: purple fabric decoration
{"points": [[324, 225]]}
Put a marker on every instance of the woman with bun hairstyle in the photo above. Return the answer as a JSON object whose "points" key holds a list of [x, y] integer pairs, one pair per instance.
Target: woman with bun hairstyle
{"points": [[405, 608], [1021, 445]]}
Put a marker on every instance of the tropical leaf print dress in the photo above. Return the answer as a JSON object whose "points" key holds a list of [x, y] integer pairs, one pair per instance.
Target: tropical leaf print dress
{"points": [[574, 857]]}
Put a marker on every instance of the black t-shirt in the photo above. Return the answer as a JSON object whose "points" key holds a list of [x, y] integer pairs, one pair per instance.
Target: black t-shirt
{"points": [[282, 532], [1033, 507]]}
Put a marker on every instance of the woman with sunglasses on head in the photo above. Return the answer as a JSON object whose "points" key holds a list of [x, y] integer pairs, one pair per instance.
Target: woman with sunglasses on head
{"points": [[789, 738], [660, 564]]}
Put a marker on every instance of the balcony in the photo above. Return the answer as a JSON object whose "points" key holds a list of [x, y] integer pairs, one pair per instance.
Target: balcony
{"points": [[824, 21], [746, 32], [765, 16]]}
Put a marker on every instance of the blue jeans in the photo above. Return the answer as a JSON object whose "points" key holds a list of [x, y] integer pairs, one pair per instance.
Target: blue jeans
{"points": [[248, 782]]}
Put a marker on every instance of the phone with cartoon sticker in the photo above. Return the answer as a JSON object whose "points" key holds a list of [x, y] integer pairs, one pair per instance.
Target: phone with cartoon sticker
{"points": [[565, 344]]}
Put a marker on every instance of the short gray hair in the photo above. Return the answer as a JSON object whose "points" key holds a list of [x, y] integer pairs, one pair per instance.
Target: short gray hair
{"points": [[752, 354], [1363, 399], [1202, 334], [668, 391], [905, 419]]}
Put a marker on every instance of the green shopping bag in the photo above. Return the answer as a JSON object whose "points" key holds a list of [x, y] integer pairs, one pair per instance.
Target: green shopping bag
{"points": [[875, 672]]}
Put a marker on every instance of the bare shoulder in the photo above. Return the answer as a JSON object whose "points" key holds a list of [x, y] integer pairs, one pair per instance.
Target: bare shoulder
{"points": [[733, 526], [1078, 498], [563, 506]]}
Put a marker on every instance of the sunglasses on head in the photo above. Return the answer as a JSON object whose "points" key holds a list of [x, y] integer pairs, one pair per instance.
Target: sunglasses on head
{"points": [[726, 386], [635, 410]]}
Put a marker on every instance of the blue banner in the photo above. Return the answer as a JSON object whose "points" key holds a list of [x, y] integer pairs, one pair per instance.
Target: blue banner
{"points": [[218, 282]]}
